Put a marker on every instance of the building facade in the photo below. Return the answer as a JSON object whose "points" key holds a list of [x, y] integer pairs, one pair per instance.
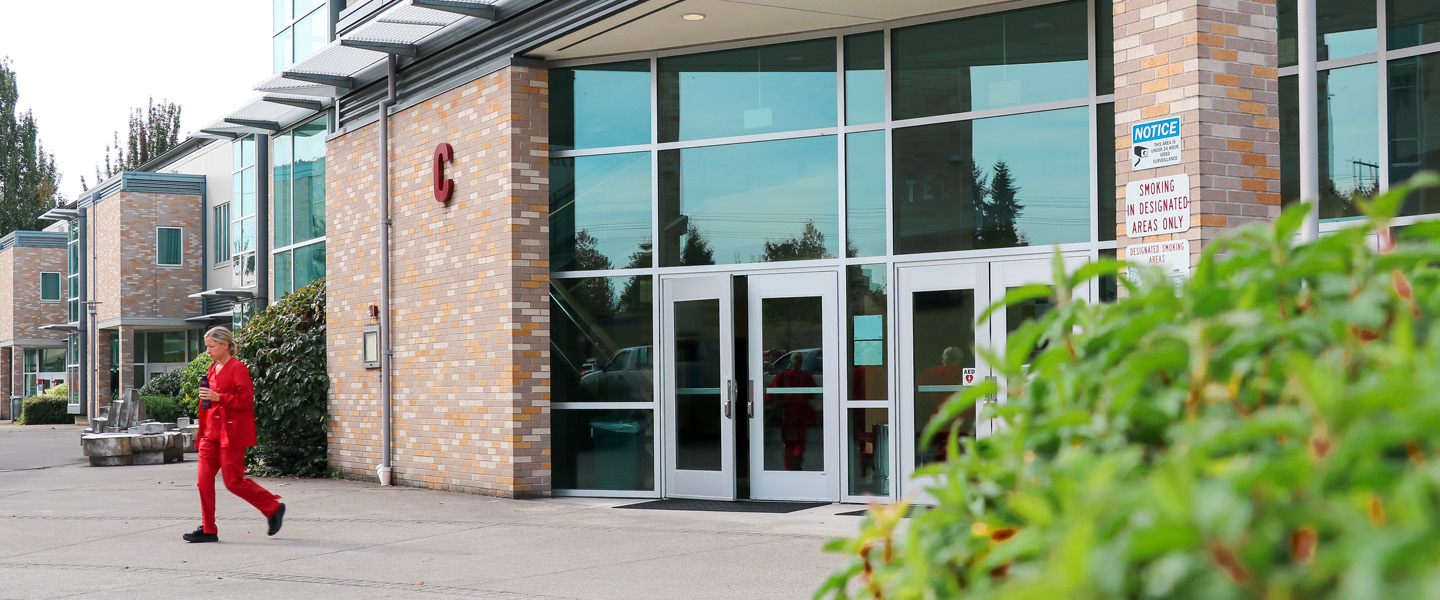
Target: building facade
{"points": [[726, 250]]}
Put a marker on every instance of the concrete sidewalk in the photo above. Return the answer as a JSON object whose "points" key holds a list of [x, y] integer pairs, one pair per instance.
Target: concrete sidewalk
{"points": [[68, 530]]}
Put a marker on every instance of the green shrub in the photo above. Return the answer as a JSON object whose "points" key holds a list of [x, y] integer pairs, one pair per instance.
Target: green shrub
{"points": [[59, 391], [44, 410], [1270, 433], [161, 408], [164, 384], [284, 346], [190, 383]]}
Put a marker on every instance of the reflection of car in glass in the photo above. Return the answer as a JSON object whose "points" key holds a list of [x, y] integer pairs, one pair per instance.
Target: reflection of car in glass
{"points": [[626, 377], [811, 361]]}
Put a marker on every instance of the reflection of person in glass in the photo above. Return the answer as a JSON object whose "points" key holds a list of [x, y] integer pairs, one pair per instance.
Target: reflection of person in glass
{"points": [[796, 412], [948, 373]]}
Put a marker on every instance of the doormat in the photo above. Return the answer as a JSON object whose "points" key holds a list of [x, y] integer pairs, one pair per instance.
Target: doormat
{"points": [[723, 506], [911, 512]]}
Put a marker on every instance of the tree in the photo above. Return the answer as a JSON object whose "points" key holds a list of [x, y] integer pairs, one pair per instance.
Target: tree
{"points": [[810, 245], [696, 250], [998, 215], [29, 180], [151, 133]]}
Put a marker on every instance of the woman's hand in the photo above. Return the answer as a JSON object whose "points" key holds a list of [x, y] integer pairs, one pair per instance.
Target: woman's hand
{"points": [[208, 394]]}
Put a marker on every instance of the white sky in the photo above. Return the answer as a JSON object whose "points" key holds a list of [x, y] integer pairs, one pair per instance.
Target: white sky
{"points": [[83, 64]]}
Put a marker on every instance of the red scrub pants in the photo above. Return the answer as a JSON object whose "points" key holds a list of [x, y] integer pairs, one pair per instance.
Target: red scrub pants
{"points": [[230, 462]]}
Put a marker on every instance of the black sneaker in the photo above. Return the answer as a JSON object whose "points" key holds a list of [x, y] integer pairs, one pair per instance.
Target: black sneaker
{"points": [[276, 520], [199, 536]]}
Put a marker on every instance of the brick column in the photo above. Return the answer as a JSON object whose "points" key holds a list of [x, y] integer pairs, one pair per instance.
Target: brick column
{"points": [[7, 381], [1212, 63], [127, 358], [102, 366]]}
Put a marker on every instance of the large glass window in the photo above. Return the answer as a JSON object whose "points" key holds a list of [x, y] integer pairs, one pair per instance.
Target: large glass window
{"points": [[1412, 22], [865, 78], [602, 356], [1414, 128], [299, 189], [1343, 28], [993, 183], [72, 251], [757, 202], [784, 87], [1349, 139], [44, 368], [221, 243], [991, 61], [301, 28], [865, 193], [242, 218], [596, 106], [600, 212]]}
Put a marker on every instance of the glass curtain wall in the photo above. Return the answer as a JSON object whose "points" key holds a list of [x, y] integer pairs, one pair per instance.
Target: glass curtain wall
{"points": [[299, 190], [301, 28], [1379, 102], [242, 213], [849, 150]]}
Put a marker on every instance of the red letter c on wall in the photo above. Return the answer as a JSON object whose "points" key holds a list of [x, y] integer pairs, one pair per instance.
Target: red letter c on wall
{"points": [[443, 187]]}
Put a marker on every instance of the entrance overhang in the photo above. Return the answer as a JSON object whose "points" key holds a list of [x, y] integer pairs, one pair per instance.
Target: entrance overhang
{"points": [[664, 24]]}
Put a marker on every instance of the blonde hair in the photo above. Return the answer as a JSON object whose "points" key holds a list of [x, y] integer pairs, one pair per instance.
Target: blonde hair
{"points": [[222, 335]]}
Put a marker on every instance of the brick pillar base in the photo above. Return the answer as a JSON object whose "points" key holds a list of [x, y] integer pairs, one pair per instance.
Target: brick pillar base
{"points": [[1212, 63]]}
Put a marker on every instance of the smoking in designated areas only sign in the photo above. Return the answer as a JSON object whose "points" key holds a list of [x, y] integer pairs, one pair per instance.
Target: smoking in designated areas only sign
{"points": [[1155, 143], [1156, 206]]}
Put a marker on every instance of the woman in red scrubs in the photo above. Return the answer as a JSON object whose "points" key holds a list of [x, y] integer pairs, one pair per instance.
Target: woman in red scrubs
{"points": [[227, 428]]}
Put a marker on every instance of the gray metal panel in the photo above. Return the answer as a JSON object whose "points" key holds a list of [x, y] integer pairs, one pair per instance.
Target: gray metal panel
{"points": [[211, 305], [33, 239], [163, 183], [523, 24]]}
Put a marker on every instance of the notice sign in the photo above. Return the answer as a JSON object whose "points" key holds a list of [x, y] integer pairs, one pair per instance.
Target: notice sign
{"points": [[1156, 206], [1155, 144]]}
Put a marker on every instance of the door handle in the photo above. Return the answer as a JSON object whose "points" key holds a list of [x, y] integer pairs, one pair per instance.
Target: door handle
{"points": [[729, 397], [750, 401]]}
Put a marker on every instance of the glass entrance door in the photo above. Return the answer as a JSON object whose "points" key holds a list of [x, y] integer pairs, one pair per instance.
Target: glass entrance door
{"points": [[1010, 275], [699, 388], [938, 334], [793, 402]]}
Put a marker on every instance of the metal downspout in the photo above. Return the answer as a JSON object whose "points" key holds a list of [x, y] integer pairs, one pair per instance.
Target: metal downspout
{"points": [[1309, 121], [83, 348], [262, 221], [385, 224]]}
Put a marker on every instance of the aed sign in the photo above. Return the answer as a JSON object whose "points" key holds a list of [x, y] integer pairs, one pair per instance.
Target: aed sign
{"points": [[1156, 206], [1155, 144]]}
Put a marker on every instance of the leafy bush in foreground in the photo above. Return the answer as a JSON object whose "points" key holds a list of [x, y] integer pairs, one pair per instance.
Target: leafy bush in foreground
{"points": [[284, 346], [44, 410], [1270, 433]]}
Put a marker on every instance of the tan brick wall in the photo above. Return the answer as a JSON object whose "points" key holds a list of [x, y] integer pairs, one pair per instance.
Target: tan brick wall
{"points": [[470, 292], [1213, 64], [125, 277], [20, 270], [7, 381]]}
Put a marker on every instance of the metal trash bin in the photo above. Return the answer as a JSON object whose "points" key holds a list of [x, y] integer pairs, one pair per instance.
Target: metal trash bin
{"points": [[617, 446], [16, 404]]}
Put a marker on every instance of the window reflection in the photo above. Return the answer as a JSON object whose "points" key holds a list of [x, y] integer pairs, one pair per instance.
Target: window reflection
{"points": [[596, 106], [993, 183], [1349, 139], [865, 194], [869, 452], [1412, 22], [944, 346], [1415, 126], [604, 449], [601, 340], [991, 61], [1343, 28], [865, 323], [758, 202], [783, 87], [865, 78], [794, 417], [600, 212]]}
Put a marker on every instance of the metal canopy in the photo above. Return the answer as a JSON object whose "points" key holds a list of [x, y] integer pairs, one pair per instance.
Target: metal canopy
{"points": [[352, 60], [266, 114], [65, 327], [227, 293]]}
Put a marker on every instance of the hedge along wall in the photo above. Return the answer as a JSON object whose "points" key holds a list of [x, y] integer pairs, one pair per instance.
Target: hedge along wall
{"points": [[284, 346]]}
